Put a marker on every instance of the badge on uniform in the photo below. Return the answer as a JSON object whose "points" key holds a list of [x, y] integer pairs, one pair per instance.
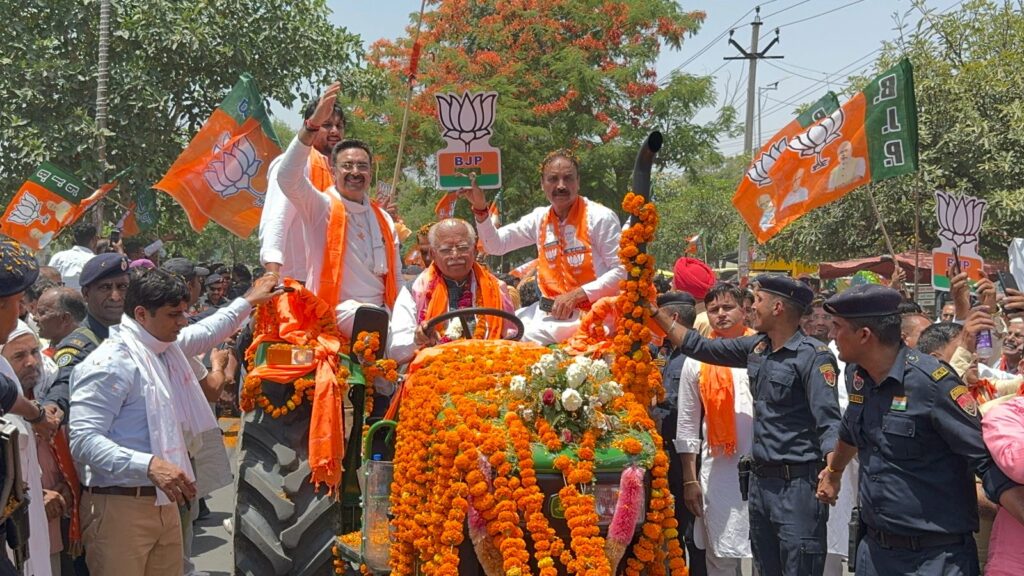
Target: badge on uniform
{"points": [[856, 399], [963, 397], [940, 373], [858, 381], [828, 372], [760, 347], [64, 359], [899, 403]]}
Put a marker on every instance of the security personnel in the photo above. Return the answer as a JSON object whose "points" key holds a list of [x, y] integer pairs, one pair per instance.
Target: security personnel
{"points": [[916, 429], [796, 422], [680, 307], [104, 280], [18, 270]]}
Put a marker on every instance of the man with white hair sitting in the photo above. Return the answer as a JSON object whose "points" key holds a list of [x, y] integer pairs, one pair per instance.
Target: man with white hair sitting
{"points": [[454, 280]]}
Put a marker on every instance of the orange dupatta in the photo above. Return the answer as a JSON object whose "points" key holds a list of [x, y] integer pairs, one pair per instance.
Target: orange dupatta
{"points": [[718, 391], [334, 254], [561, 269], [319, 171], [488, 295], [300, 315]]}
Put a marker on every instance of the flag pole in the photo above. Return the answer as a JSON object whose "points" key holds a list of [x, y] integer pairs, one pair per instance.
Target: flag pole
{"points": [[413, 65], [881, 223], [917, 236]]}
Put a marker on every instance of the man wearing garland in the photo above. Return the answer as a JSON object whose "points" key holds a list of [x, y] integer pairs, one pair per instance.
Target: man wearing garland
{"points": [[353, 257], [452, 281], [577, 246]]}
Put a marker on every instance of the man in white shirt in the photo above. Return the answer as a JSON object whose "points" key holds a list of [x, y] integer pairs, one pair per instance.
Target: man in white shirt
{"points": [[716, 415], [577, 246], [353, 256], [70, 262], [282, 234]]}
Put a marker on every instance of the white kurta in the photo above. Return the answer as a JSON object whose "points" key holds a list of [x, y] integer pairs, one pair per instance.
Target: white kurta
{"points": [[282, 232], [604, 231], [365, 261], [839, 515], [724, 530], [70, 263], [38, 563]]}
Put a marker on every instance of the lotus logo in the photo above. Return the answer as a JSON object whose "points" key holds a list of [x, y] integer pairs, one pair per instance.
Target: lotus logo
{"points": [[959, 217], [817, 137], [27, 211], [466, 119], [758, 171], [233, 169]]}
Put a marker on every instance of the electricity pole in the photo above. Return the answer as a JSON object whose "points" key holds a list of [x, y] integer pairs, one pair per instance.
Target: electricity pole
{"points": [[752, 56]]}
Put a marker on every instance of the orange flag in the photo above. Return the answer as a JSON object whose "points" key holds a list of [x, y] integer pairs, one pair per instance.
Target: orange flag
{"points": [[829, 150], [51, 199], [222, 175], [445, 207]]}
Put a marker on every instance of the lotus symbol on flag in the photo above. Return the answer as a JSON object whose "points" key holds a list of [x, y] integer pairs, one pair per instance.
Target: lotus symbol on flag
{"points": [[232, 169], [959, 217], [758, 171], [27, 211], [817, 137], [466, 119]]}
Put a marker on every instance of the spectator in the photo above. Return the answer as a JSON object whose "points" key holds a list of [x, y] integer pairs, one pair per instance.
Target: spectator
{"points": [[216, 291], [51, 274], [911, 326], [1003, 430], [948, 312], [696, 278], [58, 312], [241, 280], [816, 322], [70, 262]]}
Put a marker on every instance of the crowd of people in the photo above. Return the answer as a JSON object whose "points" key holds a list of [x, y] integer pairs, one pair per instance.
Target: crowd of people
{"points": [[794, 416]]}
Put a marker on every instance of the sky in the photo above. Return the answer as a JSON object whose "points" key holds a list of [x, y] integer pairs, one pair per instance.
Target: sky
{"points": [[822, 41]]}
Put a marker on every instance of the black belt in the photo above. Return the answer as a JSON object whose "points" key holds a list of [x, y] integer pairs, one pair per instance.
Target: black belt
{"points": [[785, 471], [915, 543], [136, 491]]}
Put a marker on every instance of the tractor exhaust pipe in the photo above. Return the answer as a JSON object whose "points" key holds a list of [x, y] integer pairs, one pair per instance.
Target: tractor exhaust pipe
{"points": [[642, 168]]}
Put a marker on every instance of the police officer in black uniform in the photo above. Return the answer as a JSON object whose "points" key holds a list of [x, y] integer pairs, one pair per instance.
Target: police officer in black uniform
{"points": [[796, 421], [916, 429], [104, 280], [680, 307], [18, 270]]}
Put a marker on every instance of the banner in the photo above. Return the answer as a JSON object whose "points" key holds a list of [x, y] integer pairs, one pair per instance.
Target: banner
{"points": [[960, 219], [222, 175], [51, 199], [466, 127], [829, 151], [445, 207]]}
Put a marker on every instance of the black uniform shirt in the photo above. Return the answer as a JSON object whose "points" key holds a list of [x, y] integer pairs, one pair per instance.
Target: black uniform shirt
{"points": [[796, 405], [69, 352], [8, 394], [919, 440]]}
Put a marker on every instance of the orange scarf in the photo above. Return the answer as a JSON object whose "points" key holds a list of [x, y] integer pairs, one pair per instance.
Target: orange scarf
{"points": [[319, 171], [299, 313], [561, 269], [488, 295], [333, 271], [718, 391]]}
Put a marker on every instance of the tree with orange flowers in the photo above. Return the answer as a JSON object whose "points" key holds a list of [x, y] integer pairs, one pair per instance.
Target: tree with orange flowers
{"points": [[569, 73]]}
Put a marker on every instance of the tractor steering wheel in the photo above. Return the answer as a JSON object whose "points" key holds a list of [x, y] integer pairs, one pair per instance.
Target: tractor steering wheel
{"points": [[464, 313]]}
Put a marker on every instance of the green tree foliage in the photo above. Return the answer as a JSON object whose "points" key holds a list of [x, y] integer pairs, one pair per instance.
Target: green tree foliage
{"points": [[575, 74], [171, 63], [968, 81]]}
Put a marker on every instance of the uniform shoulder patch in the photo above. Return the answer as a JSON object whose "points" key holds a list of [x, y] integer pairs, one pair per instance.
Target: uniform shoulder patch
{"points": [[964, 399], [759, 348], [828, 372], [822, 348], [64, 356], [940, 373]]}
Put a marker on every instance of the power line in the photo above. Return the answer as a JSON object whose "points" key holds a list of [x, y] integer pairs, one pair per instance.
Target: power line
{"points": [[712, 43], [818, 15], [777, 12]]}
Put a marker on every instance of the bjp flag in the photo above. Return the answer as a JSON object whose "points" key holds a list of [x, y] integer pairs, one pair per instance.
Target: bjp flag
{"points": [[51, 199], [222, 175], [830, 150]]}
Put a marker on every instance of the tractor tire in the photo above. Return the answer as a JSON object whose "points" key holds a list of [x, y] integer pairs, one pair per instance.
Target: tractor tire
{"points": [[283, 526]]}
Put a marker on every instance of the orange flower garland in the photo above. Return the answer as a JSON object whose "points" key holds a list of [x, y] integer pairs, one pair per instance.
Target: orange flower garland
{"points": [[365, 346], [633, 367]]}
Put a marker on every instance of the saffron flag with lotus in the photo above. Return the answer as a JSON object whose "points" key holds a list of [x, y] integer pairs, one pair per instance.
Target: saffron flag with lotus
{"points": [[222, 175], [830, 150], [51, 199]]}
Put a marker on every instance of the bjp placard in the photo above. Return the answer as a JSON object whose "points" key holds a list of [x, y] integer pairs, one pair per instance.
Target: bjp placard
{"points": [[831, 150], [466, 123]]}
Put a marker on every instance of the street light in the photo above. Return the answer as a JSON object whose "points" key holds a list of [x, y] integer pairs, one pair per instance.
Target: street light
{"points": [[760, 94]]}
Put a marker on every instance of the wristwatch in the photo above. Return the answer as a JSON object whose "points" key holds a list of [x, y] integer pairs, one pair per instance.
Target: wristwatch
{"points": [[40, 416]]}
